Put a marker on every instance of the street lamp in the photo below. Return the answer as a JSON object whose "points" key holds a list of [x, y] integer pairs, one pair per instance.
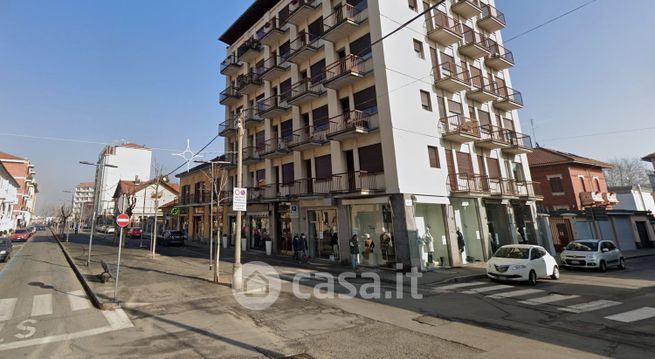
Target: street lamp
{"points": [[99, 168], [164, 179], [237, 275]]}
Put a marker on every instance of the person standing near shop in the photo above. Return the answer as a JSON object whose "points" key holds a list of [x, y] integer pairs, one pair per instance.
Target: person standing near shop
{"points": [[428, 241], [385, 244], [335, 244], [369, 249], [296, 245], [302, 250], [354, 251]]}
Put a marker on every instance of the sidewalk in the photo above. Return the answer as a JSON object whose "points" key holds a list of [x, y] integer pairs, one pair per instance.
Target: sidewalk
{"points": [[638, 253]]}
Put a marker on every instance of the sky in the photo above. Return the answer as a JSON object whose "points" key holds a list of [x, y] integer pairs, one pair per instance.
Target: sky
{"points": [[147, 71]]}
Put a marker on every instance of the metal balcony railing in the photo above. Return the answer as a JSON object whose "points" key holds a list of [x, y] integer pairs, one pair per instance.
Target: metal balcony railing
{"points": [[482, 83], [497, 50], [472, 37], [494, 133], [358, 181], [489, 11], [346, 12], [229, 61], [441, 21], [509, 94], [351, 64], [354, 120], [468, 183], [251, 44], [459, 124], [449, 70], [229, 93]]}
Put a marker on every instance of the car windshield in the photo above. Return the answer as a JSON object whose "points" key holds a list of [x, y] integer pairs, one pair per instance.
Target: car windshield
{"points": [[4, 243], [21, 231], [513, 252], [582, 246], [176, 233]]}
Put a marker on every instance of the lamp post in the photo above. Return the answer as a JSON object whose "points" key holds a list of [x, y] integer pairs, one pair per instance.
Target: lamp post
{"points": [[237, 275], [164, 179], [99, 168]]}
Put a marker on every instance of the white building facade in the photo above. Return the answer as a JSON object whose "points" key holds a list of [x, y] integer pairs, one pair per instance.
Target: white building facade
{"points": [[8, 192], [416, 134], [132, 162], [148, 197], [83, 199]]}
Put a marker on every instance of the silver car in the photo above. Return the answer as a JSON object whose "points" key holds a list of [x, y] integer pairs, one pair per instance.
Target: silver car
{"points": [[592, 253]]}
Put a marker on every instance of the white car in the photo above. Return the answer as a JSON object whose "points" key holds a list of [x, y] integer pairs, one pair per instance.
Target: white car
{"points": [[522, 262], [101, 228], [592, 253], [110, 229]]}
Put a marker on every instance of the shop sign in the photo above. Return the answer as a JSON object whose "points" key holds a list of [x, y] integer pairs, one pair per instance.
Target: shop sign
{"points": [[293, 211]]}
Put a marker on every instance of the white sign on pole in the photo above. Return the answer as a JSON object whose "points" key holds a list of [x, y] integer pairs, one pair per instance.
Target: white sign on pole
{"points": [[239, 199]]}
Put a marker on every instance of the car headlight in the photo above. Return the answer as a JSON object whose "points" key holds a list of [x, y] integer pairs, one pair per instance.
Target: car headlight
{"points": [[590, 256], [518, 266], [3, 252]]}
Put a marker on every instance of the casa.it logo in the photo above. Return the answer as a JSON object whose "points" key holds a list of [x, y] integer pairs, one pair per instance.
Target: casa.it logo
{"points": [[261, 286]]}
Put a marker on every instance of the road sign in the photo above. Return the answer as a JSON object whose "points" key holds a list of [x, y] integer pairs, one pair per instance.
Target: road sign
{"points": [[122, 220], [239, 200], [175, 211]]}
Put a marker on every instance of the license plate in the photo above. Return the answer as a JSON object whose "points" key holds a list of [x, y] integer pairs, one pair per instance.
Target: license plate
{"points": [[576, 262]]}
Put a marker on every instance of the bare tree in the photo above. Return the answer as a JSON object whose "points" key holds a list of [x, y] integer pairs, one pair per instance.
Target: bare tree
{"points": [[626, 172], [65, 212]]}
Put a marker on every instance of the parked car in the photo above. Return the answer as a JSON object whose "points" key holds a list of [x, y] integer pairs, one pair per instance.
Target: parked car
{"points": [[101, 228], [134, 232], [522, 262], [5, 249], [20, 235], [171, 237], [110, 229], [592, 253]]}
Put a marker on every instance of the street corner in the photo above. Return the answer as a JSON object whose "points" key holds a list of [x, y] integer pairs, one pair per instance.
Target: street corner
{"points": [[261, 286]]}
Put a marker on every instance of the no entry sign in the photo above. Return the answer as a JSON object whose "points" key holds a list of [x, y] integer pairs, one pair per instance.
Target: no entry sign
{"points": [[122, 220]]}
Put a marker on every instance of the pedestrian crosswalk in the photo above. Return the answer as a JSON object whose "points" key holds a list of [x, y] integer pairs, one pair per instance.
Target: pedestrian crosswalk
{"points": [[534, 297], [42, 304]]}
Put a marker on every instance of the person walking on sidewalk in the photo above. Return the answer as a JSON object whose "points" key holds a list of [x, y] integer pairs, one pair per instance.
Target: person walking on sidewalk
{"points": [[296, 246], [354, 251], [302, 250]]}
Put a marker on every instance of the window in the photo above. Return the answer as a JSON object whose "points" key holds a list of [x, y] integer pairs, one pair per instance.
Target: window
{"points": [[433, 154], [418, 49], [556, 184], [323, 167], [582, 184], [596, 184], [412, 5], [370, 158], [425, 101]]}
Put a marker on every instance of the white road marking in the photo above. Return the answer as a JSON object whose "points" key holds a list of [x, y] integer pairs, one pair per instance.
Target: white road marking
{"points": [[515, 293], [41, 305], [551, 298], [117, 319], [446, 288], [78, 300], [633, 315], [487, 289], [590, 306], [7, 308]]}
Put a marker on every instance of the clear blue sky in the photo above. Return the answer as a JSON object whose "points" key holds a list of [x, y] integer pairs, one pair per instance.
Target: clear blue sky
{"points": [[147, 72]]}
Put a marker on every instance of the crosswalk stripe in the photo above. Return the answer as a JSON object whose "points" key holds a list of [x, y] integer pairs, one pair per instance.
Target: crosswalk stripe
{"points": [[78, 300], [7, 308], [590, 306], [487, 289], [551, 298], [515, 293], [458, 285], [41, 305], [633, 315]]}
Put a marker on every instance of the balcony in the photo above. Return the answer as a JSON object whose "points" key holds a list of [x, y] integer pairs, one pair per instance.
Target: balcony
{"points": [[251, 154], [519, 143], [274, 67], [249, 83], [306, 90], [500, 58], [610, 198], [529, 190], [304, 46], [482, 90], [311, 187], [451, 77], [474, 45], [230, 96], [251, 118], [300, 10], [469, 184], [249, 51], [492, 137], [347, 70], [503, 187], [509, 100], [308, 137], [491, 20], [274, 148], [263, 193], [230, 66], [230, 158], [443, 29], [466, 8], [352, 123], [591, 198], [358, 183], [272, 32], [273, 106], [344, 20], [459, 129], [227, 128]]}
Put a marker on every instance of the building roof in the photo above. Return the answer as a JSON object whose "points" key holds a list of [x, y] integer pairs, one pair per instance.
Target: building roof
{"points": [[172, 203], [541, 156], [200, 166], [11, 178], [249, 18], [86, 184], [133, 187], [9, 156], [134, 145], [648, 158]]}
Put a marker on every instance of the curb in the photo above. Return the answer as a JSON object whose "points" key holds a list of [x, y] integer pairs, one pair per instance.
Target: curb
{"points": [[87, 288], [641, 256]]}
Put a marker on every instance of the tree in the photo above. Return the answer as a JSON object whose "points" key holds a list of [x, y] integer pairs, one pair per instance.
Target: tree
{"points": [[626, 172]]}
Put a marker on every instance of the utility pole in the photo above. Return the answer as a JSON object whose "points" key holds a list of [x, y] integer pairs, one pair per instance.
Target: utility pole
{"points": [[154, 230], [237, 275]]}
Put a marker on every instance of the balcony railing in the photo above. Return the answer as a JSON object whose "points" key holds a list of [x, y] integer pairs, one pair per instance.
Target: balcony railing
{"points": [[528, 189], [270, 32], [229, 96], [350, 66], [591, 198], [474, 44], [352, 123], [306, 89], [249, 50], [251, 153], [502, 187], [344, 20], [509, 99], [227, 127], [274, 146], [303, 46], [308, 187], [443, 29], [492, 137], [499, 57], [249, 82], [273, 67], [482, 90], [460, 129], [468, 183], [451, 77], [467, 8], [309, 136], [358, 182], [610, 198], [273, 106], [251, 117], [299, 10], [491, 19], [230, 65]]}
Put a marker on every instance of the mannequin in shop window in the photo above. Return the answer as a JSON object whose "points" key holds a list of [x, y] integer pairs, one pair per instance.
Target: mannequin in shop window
{"points": [[460, 241], [386, 244], [428, 242], [369, 247]]}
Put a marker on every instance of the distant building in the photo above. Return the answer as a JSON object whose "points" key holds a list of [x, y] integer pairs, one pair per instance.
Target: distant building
{"points": [[144, 196], [82, 200], [132, 163], [636, 198], [570, 182], [651, 159], [8, 199], [23, 172]]}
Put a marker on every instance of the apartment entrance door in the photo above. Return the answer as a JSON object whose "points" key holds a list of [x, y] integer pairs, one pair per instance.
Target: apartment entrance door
{"points": [[350, 168], [321, 224], [643, 234]]}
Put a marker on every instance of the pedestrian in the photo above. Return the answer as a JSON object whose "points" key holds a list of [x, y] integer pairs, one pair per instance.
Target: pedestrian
{"points": [[460, 241], [369, 247], [354, 251], [302, 250], [428, 241], [296, 245], [335, 244]]}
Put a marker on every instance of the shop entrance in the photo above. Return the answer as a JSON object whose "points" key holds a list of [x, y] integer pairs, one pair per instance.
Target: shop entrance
{"points": [[467, 222], [197, 228], [284, 229], [321, 225], [498, 225], [259, 228], [374, 221]]}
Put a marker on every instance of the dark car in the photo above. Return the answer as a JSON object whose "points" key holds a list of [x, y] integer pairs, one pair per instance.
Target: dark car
{"points": [[5, 249], [171, 237], [134, 232], [21, 235]]}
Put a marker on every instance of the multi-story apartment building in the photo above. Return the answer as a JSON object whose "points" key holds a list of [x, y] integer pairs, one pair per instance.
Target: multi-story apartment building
{"points": [[83, 200], [23, 172], [132, 162], [8, 199], [416, 133]]}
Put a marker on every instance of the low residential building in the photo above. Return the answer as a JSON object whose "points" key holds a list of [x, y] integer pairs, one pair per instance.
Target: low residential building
{"points": [[8, 199], [635, 198], [23, 172], [569, 181], [147, 198]]}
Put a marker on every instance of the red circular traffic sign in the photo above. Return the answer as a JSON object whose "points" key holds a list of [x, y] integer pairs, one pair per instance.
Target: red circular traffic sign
{"points": [[122, 220]]}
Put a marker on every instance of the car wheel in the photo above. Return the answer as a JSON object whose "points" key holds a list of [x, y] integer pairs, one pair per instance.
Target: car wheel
{"points": [[622, 264], [532, 278], [555, 274], [602, 266]]}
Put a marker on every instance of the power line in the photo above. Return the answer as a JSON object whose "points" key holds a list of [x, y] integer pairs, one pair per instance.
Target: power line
{"points": [[600, 134]]}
